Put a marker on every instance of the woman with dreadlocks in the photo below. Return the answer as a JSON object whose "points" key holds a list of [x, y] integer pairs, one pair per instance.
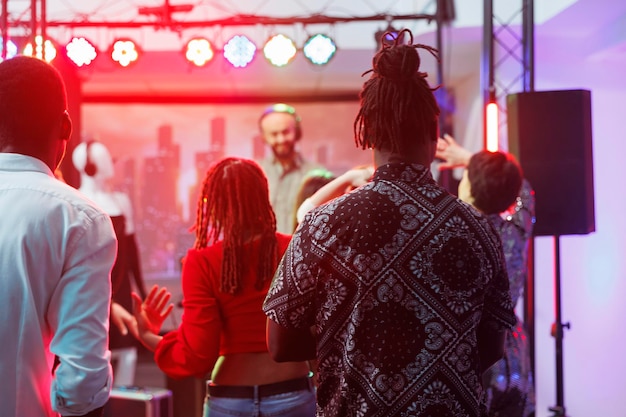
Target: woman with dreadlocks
{"points": [[397, 288], [225, 278]]}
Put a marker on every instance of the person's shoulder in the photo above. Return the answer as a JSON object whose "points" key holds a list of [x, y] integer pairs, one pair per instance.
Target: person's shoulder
{"points": [[339, 210], [468, 211], [205, 258], [206, 251], [68, 209], [78, 200], [59, 193]]}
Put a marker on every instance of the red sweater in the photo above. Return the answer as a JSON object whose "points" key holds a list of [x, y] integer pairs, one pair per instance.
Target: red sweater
{"points": [[214, 323]]}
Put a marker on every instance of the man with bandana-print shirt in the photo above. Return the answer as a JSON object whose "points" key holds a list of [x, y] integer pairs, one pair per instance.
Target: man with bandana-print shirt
{"points": [[395, 324], [398, 289]]}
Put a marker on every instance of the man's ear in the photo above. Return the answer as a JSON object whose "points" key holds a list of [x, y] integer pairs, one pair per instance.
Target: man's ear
{"points": [[66, 126]]}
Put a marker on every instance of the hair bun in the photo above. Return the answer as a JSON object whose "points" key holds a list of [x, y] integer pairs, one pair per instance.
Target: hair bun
{"points": [[400, 62]]}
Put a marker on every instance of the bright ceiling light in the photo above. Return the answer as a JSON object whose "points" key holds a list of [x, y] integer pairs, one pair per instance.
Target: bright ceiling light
{"points": [[279, 50], [239, 51], [43, 50], [11, 49], [319, 49], [81, 51], [124, 52], [199, 51]]}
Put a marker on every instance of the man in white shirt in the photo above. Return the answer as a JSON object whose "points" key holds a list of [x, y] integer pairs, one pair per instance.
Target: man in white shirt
{"points": [[56, 253]]}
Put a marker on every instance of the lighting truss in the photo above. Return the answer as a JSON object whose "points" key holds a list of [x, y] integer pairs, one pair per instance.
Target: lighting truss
{"points": [[239, 50]]}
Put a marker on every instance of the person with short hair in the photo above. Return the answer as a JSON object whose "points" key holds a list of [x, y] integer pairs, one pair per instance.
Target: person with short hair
{"points": [[57, 249], [494, 183], [285, 168], [397, 288]]}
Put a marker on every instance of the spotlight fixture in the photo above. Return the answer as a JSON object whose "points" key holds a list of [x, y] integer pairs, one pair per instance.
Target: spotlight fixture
{"points": [[11, 49], [239, 51], [124, 52], [319, 49], [199, 51], [81, 51], [279, 50], [42, 50]]}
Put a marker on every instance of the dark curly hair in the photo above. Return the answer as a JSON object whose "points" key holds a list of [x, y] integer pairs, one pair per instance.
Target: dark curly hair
{"points": [[234, 207], [398, 107], [495, 180]]}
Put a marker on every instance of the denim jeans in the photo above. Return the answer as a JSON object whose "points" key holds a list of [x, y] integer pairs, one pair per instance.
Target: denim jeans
{"points": [[291, 404]]}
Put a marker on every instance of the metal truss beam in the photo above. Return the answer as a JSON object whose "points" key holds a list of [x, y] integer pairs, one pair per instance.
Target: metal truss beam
{"points": [[239, 20], [508, 57], [508, 66]]}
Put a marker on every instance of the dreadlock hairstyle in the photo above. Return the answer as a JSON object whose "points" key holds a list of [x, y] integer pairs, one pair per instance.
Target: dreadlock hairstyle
{"points": [[234, 206], [398, 106]]}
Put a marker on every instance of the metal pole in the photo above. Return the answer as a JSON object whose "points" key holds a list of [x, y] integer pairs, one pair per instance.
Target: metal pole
{"points": [[528, 41], [33, 26], [445, 177], [4, 22], [42, 23], [487, 64], [559, 329], [559, 408], [528, 45]]}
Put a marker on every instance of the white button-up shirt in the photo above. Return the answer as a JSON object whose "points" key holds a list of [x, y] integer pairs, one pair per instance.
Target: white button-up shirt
{"points": [[56, 254]]}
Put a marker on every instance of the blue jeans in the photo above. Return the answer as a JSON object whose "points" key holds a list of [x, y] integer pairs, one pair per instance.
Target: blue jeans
{"points": [[291, 404]]}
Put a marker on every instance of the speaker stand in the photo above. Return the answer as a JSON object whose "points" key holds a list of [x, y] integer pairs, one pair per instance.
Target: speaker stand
{"points": [[557, 333]]}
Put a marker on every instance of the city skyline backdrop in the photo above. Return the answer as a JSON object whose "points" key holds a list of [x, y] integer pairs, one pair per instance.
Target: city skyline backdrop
{"points": [[161, 153]]}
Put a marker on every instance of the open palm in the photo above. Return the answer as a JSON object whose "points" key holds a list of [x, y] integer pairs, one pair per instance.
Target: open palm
{"points": [[152, 312]]}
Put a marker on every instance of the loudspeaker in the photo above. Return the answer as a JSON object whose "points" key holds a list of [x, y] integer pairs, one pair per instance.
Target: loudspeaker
{"points": [[550, 134], [90, 167]]}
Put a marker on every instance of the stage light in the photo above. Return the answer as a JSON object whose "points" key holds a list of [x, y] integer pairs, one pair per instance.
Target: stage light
{"points": [[11, 49], [492, 127], [279, 50], [199, 51], [319, 49], [239, 51], [124, 52], [81, 51], [43, 50]]}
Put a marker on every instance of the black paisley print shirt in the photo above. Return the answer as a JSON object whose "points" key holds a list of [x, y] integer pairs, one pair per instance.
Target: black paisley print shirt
{"points": [[396, 277]]}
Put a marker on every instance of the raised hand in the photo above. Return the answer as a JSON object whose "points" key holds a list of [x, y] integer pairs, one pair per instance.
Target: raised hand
{"points": [[452, 154], [150, 314]]}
